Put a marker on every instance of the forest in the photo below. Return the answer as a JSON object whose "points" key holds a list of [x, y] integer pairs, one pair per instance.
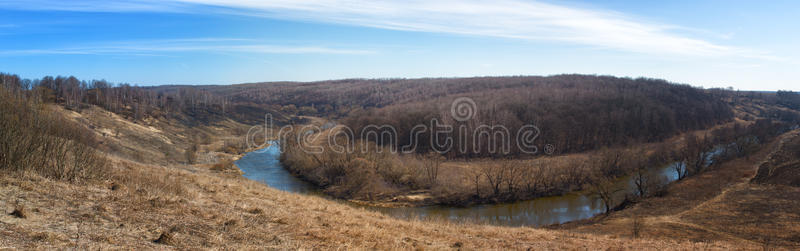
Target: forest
{"points": [[606, 120], [573, 113]]}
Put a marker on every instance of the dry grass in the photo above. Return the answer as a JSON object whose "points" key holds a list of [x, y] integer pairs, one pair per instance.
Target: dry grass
{"points": [[19, 212], [720, 204], [156, 207], [155, 141]]}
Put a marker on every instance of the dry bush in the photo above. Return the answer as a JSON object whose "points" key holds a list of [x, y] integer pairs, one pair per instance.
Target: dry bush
{"points": [[200, 136], [167, 237], [236, 146], [226, 164], [37, 140], [356, 174], [191, 154], [19, 212], [430, 168]]}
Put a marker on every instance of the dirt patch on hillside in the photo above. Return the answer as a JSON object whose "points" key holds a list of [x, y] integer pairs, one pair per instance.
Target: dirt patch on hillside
{"points": [[782, 167]]}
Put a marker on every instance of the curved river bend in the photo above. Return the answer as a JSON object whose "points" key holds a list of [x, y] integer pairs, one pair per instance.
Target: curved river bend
{"points": [[263, 166]]}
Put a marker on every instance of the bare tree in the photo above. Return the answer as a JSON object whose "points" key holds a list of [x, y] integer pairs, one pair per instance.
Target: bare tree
{"points": [[512, 171], [604, 188], [640, 180], [431, 164], [476, 180], [496, 176], [610, 162], [696, 154], [641, 174], [530, 178]]}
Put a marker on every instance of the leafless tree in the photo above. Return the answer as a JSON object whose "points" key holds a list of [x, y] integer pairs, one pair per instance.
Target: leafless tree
{"points": [[431, 164], [476, 176], [512, 170], [696, 154], [496, 176], [531, 176], [604, 188]]}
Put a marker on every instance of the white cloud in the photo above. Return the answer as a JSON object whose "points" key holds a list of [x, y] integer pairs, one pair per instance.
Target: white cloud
{"points": [[212, 45], [516, 19]]}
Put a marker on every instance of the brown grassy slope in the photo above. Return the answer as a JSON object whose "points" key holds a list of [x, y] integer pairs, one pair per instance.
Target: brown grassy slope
{"points": [[195, 208], [720, 204], [155, 141], [783, 167]]}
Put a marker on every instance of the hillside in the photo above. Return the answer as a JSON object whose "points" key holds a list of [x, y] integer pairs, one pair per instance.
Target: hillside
{"points": [[782, 167], [157, 207], [722, 204], [163, 178], [575, 112], [175, 205]]}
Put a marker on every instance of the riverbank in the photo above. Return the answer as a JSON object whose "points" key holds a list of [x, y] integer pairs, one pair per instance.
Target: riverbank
{"points": [[721, 204], [408, 180], [263, 166], [570, 204]]}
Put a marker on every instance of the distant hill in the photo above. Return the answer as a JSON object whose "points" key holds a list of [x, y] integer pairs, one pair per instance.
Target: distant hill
{"points": [[574, 112]]}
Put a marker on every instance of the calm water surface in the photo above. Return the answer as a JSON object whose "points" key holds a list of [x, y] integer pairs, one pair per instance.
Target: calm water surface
{"points": [[263, 166]]}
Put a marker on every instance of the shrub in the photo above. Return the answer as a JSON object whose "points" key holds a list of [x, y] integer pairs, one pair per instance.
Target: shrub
{"points": [[223, 165], [35, 139]]}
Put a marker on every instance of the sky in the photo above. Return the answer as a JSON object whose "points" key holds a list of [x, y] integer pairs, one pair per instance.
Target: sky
{"points": [[747, 45]]}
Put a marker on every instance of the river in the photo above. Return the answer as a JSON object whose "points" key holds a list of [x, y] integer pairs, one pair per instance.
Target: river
{"points": [[264, 166]]}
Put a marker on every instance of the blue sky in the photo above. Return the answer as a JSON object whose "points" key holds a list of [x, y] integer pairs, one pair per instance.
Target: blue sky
{"points": [[744, 44]]}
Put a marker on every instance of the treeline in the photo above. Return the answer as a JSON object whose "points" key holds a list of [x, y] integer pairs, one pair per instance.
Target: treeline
{"points": [[574, 113], [189, 105], [130, 101], [789, 99]]}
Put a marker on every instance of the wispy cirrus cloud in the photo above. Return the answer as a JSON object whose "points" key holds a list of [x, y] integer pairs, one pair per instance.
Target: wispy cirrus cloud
{"points": [[514, 19], [164, 46]]}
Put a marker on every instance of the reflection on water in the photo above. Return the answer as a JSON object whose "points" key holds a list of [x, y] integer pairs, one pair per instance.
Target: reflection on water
{"points": [[536, 212], [264, 166]]}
